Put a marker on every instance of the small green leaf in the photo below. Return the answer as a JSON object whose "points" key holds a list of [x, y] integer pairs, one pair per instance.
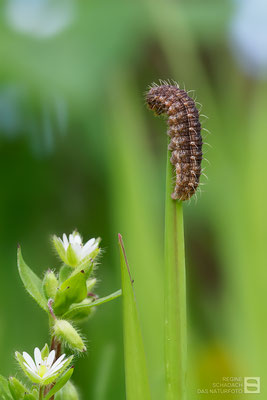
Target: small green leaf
{"points": [[73, 290], [17, 389], [137, 385], [59, 384], [32, 282], [83, 309], [4, 389]]}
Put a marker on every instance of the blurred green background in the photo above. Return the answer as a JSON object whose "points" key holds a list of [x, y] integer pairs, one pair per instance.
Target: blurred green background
{"points": [[80, 150]]}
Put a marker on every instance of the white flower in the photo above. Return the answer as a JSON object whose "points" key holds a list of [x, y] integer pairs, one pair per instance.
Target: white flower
{"points": [[42, 370], [72, 251]]}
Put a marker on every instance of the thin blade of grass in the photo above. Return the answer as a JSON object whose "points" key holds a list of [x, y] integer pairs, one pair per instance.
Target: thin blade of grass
{"points": [[175, 295], [136, 377]]}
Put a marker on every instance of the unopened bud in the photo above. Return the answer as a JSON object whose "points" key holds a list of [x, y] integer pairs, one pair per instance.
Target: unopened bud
{"points": [[90, 284], [50, 284], [16, 388], [69, 392], [65, 332]]}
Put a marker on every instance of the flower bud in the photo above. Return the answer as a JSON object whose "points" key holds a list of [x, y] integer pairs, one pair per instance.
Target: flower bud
{"points": [[65, 332], [16, 388], [68, 392], [50, 284], [90, 284]]}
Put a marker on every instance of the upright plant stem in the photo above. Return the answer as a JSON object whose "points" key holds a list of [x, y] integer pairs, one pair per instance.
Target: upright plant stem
{"points": [[41, 393], [175, 295]]}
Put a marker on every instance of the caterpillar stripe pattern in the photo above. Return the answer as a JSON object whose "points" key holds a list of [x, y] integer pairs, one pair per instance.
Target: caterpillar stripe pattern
{"points": [[185, 137]]}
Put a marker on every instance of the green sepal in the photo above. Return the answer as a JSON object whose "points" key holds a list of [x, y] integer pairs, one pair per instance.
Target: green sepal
{"points": [[59, 248], [21, 361], [50, 284], [73, 290], [85, 309], [60, 383], [4, 389], [68, 392], [32, 282], [45, 351], [64, 273], [72, 258], [66, 333], [17, 389], [87, 263]]}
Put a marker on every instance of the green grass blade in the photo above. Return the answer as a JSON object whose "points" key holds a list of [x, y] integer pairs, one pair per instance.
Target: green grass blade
{"points": [[137, 386], [137, 212], [175, 295]]}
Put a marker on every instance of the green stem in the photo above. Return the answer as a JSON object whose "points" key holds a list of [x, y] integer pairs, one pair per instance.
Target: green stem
{"points": [[175, 294], [41, 390]]}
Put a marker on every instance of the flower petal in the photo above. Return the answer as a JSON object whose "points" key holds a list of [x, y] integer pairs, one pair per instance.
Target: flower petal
{"points": [[90, 242], [77, 239], [28, 368], [65, 241], [58, 361], [87, 250], [54, 370], [29, 361], [37, 357], [50, 358], [57, 367], [32, 373]]}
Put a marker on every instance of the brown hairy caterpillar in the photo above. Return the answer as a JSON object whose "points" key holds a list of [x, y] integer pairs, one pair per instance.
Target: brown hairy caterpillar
{"points": [[185, 137]]}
